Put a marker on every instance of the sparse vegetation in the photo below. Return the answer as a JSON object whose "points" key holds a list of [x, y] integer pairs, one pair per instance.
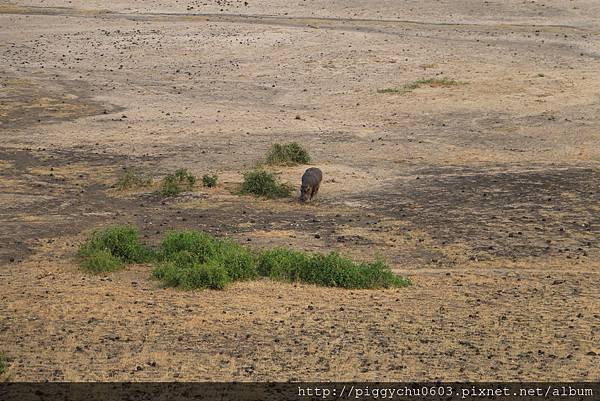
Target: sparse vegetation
{"points": [[392, 90], [330, 270], [131, 179], [433, 82], [112, 248], [174, 184], [287, 154], [3, 363], [210, 181], [265, 184]]}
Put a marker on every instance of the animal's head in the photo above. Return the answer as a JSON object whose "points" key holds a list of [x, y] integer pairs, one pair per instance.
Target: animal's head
{"points": [[304, 192]]}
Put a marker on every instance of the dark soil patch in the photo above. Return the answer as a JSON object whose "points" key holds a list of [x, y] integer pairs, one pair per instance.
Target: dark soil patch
{"points": [[25, 102], [508, 214]]}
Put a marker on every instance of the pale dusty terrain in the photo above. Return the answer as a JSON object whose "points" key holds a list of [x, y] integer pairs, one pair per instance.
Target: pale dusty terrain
{"points": [[484, 193]]}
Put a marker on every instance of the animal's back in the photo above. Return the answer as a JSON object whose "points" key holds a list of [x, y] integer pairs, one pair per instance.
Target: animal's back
{"points": [[312, 176]]}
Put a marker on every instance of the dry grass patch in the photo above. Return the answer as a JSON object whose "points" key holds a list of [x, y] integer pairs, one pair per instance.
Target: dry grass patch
{"points": [[431, 82]]}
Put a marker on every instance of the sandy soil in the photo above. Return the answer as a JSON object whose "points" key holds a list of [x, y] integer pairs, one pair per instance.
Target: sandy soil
{"points": [[484, 193]]}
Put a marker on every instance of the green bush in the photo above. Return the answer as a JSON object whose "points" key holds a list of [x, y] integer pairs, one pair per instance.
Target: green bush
{"points": [[180, 181], [210, 181], [263, 183], [328, 270], [239, 261], [111, 248], [192, 259], [196, 245], [282, 264], [287, 154], [192, 276], [132, 179], [101, 260]]}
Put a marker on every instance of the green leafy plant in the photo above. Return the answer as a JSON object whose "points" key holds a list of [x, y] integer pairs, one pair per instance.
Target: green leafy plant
{"points": [[264, 184], [287, 154], [196, 245], [210, 181], [174, 184], [192, 259], [101, 260], [112, 248], [330, 270], [192, 276]]}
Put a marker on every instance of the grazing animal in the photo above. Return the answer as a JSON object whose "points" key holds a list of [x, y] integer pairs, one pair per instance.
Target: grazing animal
{"points": [[311, 180]]}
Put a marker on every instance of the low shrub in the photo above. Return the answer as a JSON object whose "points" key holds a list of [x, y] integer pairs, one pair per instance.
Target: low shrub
{"points": [[239, 261], [101, 260], [330, 270], [287, 154], [192, 259], [265, 184], [282, 264], [111, 248], [198, 245], [192, 276], [210, 181], [174, 184], [131, 179]]}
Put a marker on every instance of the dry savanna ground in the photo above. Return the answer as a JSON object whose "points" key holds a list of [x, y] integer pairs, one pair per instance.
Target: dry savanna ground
{"points": [[484, 192]]}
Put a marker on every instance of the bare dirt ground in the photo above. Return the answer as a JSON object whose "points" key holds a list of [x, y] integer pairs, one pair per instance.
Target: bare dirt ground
{"points": [[485, 194]]}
